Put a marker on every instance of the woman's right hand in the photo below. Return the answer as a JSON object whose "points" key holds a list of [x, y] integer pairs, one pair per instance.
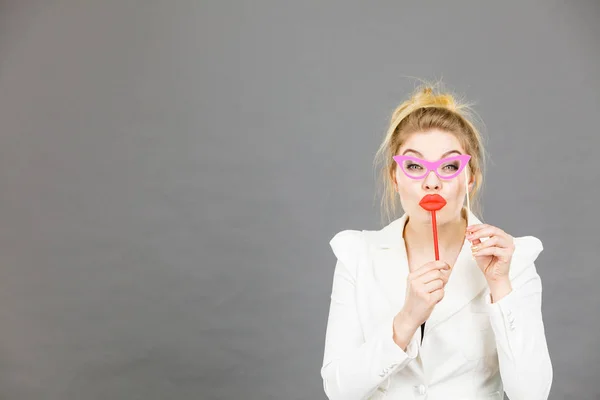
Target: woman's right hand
{"points": [[424, 289]]}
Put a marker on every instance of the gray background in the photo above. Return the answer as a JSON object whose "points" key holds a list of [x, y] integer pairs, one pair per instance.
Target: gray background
{"points": [[171, 173]]}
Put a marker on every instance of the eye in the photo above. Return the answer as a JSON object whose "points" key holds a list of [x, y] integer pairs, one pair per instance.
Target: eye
{"points": [[413, 167], [451, 167]]}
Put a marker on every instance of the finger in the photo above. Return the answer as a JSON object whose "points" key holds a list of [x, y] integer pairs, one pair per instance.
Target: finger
{"points": [[488, 243], [431, 276], [488, 231], [437, 295], [501, 253], [430, 266], [475, 228], [434, 285], [497, 241]]}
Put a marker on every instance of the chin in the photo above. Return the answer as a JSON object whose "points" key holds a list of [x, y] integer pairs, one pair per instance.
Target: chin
{"points": [[442, 216], [423, 216]]}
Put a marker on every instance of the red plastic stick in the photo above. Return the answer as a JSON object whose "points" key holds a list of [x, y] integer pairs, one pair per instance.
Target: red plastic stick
{"points": [[433, 203], [435, 236]]}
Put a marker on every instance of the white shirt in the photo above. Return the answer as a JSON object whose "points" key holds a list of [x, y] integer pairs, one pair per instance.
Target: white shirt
{"points": [[472, 348]]}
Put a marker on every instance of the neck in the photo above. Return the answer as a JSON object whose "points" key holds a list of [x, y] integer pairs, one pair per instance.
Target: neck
{"points": [[419, 236]]}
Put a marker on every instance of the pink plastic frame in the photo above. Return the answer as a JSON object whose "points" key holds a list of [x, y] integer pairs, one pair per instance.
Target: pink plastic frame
{"points": [[433, 165]]}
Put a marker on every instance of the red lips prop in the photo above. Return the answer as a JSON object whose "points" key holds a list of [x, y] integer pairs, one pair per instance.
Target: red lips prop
{"points": [[433, 203]]}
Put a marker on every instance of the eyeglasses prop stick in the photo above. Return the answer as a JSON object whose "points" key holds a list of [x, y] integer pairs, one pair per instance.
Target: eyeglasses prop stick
{"points": [[433, 203]]}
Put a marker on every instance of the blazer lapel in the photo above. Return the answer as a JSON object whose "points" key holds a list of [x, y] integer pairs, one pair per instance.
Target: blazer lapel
{"points": [[465, 283]]}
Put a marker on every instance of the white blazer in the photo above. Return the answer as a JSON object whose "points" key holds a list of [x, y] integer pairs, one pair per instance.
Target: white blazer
{"points": [[472, 349]]}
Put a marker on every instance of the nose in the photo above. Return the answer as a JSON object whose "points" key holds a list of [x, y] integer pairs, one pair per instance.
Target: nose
{"points": [[432, 182]]}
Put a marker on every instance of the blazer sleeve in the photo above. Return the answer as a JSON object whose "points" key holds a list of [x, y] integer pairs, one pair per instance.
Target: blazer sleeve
{"points": [[352, 367], [524, 359]]}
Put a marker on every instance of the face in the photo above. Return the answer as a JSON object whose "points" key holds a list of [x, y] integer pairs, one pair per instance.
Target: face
{"points": [[447, 180]]}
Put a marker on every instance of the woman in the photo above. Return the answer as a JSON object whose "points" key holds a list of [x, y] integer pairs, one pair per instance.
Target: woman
{"points": [[404, 326]]}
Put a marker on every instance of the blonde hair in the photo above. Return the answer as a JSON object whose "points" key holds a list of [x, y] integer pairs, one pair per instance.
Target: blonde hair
{"points": [[429, 107]]}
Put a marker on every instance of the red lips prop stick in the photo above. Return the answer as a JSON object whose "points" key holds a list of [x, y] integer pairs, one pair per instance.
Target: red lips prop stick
{"points": [[433, 203]]}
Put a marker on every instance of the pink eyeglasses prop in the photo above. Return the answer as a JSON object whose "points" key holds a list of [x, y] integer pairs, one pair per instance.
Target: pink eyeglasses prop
{"points": [[446, 168]]}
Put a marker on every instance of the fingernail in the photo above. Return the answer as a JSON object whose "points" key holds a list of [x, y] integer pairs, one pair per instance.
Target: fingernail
{"points": [[474, 248]]}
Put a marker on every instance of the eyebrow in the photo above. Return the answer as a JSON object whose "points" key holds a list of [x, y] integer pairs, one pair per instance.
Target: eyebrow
{"points": [[421, 155]]}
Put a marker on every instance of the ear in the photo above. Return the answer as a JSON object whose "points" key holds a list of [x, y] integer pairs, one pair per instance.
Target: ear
{"points": [[394, 181]]}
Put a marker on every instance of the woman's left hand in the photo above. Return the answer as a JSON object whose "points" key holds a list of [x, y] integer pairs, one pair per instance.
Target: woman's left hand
{"points": [[493, 255]]}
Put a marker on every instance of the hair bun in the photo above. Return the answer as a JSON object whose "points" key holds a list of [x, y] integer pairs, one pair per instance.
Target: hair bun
{"points": [[427, 97]]}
